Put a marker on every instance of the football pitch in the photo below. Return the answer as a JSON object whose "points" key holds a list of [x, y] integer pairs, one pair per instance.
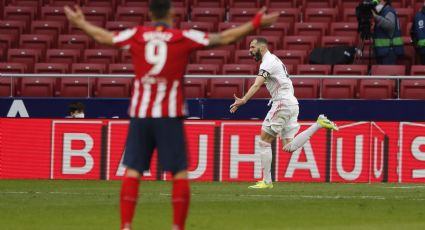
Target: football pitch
{"points": [[44, 204]]}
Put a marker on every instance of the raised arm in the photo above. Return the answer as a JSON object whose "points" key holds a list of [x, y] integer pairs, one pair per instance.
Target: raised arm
{"points": [[229, 36], [76, 17], [259, 81]]}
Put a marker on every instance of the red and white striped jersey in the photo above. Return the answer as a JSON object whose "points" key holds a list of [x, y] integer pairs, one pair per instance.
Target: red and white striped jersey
{"points": [[159, 56]]}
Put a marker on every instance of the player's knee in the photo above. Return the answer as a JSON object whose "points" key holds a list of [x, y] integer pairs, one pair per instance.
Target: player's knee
{"points": [[132, 173], [182, 174]]}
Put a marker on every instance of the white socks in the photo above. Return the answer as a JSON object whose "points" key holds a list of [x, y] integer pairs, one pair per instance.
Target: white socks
{"points": [[266, 160], [301, 138]]}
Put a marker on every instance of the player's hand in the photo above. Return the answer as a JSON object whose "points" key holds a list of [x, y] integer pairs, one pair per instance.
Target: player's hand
{"points": [[268, 19], [238, 102], [76, 16]]}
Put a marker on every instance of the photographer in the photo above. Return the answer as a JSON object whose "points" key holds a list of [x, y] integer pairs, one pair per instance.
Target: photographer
{"points": [[388, 44], [417, 33]]}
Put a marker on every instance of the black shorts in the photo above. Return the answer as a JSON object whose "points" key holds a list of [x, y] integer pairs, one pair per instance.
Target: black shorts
{"points": [[165, 134]]}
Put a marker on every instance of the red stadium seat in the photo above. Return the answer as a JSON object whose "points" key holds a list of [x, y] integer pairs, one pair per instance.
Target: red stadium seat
{"points": [[305, 87], [121, 68], [349, 15], [209, 3], [36, 41], [295, 57], [195, 87], [51, 68], [290, 68], [120, 25], [73, 41], [412, 89], [12, 67], [75, 30], [288, 15], [392, 70], [125, 57], [105, 3], [88, 68], [278, 29], [97, 13], [131, 13], [7, 41], [274, 42], [20, 13], [208, 14], [26, 56], [261, 93], [180, 15], [344, 29], [202, 26], [244, 3], [135, 3], [271, 4], [406, 31], [339, 88], [228, 25], [219, 57], [64, 2], [313, 70], [54, 13], [6, 89], [76, 87], [317, 3], [32, 3], [376, 89], [225, 87], [365, 58], [299, 42], [317, 29], [404, 15], [12, 28], [100, 56], [350, 70], [113, 87], [243, 57], [241, 14], [239, 69], [321, 14], [53, 28], [37, 87], [202, 69], [347, 4], [417, 70], [408, 58], [330, 41]]}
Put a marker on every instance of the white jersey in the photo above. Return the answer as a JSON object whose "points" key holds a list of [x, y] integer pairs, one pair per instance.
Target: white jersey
{"points": [[277, 80]]}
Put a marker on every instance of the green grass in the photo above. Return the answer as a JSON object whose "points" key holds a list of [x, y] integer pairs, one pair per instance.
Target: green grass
{"points": [[217, 206]]}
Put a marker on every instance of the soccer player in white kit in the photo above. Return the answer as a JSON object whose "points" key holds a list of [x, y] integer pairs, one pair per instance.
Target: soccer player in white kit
{"points": [[281, 120]]}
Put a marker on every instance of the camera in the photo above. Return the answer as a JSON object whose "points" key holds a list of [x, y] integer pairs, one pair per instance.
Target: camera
{"points": [[364, 15]]}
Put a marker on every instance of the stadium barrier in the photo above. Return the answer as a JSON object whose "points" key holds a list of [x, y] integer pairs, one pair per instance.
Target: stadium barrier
{"points": [[7, 79], [218, 151]]}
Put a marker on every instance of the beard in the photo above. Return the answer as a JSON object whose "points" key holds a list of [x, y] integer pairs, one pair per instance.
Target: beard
{"points": [[257, 55]]}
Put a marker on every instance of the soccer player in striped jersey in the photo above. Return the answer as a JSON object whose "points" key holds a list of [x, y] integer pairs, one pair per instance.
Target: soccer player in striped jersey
{"points": [[160, 55], [282, 119]]}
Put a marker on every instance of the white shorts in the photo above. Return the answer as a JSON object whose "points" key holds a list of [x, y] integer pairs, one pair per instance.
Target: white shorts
{"points": [[282, 120]]}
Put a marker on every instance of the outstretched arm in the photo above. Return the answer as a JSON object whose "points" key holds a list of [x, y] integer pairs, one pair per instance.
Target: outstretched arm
{"points": [[259, 81], [229, 36], [76, 17]]}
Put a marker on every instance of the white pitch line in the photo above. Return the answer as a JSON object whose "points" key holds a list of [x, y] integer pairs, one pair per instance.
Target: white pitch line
{"points": [[406, 187]]}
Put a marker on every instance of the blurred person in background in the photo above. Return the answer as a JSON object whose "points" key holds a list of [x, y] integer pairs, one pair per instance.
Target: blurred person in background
{"points": [[76, 110], [387, 40], [417, 33]]}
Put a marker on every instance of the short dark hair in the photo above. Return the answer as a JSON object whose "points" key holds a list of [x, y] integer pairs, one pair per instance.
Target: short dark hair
{"points": [[76, 107], [159, 8], [261, 40]]}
